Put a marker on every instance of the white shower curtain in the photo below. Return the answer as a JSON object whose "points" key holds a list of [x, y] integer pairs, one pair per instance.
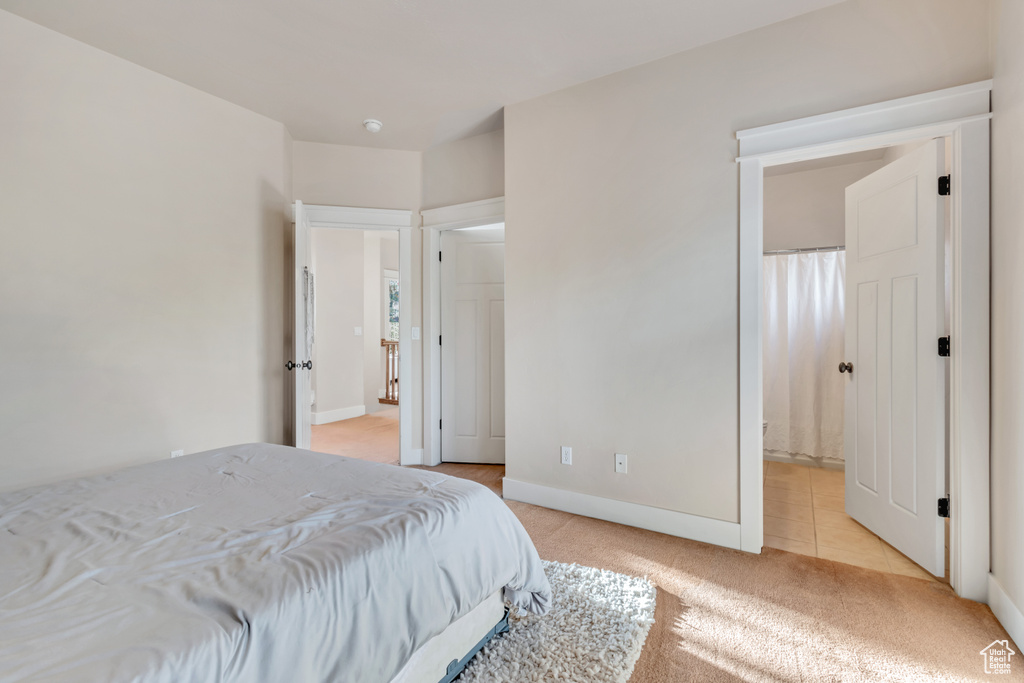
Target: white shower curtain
{"points": [[803, 346]]}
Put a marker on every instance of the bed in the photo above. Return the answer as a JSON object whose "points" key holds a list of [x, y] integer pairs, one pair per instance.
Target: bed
{"points": [[256, 563]]}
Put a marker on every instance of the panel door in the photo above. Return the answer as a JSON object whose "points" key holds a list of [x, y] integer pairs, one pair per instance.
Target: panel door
{"points": [[895, 395], [473, 345]]}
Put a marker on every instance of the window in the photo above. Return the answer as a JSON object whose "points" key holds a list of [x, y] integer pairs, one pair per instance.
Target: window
{"points": [[390, 322]]}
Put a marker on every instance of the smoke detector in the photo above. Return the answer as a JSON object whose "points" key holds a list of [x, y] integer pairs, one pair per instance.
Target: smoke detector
{"points": [[372, 125]]}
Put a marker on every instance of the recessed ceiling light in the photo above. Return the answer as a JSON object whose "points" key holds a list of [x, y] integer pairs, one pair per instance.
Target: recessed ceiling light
{"points": [[373, 125]]}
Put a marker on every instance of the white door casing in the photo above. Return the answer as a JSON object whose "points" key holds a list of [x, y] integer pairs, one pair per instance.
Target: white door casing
{"points": [[302, 351], [895, 427], [473, 345]]}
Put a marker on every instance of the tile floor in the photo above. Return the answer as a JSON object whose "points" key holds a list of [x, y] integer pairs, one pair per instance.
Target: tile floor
{"points": [[804, 513]]}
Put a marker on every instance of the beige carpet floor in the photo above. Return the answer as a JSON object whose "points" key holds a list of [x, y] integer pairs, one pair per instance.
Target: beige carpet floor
{"points": [[725, 615]]}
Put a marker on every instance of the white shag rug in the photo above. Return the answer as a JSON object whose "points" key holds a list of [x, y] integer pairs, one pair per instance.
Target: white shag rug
{"points": [[593, 633]]}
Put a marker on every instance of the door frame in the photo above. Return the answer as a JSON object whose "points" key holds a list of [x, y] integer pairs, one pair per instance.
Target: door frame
{"points": [[468, 215], [962, 113], [348, 218]]}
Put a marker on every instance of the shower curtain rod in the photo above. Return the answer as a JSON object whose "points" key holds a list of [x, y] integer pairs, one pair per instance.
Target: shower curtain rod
{"points": [[805, 251]]}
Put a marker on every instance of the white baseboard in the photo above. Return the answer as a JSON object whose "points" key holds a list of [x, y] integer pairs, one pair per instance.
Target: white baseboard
{"points": [[670, 522], [415, 457], [1008, 614], [339, 414], [801, 459]]}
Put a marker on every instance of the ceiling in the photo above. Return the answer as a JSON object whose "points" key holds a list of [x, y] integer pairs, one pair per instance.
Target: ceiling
{"points": [[431, 71]]}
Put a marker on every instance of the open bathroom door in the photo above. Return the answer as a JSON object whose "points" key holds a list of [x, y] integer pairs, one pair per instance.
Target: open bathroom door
{"points": [[895, 383]]}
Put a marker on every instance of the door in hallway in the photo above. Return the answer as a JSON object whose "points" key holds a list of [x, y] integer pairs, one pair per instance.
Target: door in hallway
{"points": [[473, 345], [895, 392], [301, 363]]}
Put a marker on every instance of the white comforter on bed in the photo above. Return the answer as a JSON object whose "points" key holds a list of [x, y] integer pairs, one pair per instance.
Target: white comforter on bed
{"points": [[250, 563]]}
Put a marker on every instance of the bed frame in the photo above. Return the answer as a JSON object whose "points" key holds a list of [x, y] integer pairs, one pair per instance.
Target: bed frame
{"points": [[442, 658]]}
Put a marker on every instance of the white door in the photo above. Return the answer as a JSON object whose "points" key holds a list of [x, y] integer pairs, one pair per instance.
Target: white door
{"points": [[301, 363], [473, 345], [895, 394]]}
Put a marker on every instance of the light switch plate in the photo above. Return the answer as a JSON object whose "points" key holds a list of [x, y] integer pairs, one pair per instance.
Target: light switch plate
{"points": [[359, 332], [415, 333], [620, 463]]}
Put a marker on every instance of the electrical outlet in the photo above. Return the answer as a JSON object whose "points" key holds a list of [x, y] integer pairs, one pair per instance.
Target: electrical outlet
{"points": [[177, 454], [620, 463], [566, 455]]}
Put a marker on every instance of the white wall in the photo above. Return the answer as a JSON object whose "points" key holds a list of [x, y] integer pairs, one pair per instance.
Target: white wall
{"points": [[142, 289], [808, 208], [464, 171], [338, 353], [389, 251], [339, 175], [1008, 311], [897, 151], [621, 239]]}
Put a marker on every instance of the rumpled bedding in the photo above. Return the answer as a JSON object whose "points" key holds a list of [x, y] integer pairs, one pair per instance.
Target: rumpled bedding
{"points": [[249, 563]]}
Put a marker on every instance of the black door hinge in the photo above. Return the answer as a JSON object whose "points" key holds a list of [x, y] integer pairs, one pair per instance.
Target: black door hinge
{"points": [[439, 423], [439, 256], [944, 183], [944, 347], [438, 340], [944, 507]]}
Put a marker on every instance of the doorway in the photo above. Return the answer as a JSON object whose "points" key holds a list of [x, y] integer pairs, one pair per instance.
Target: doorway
{"points": [[372, 228], [963, 114], [436, 222], [355, 361], [813, 456]]}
